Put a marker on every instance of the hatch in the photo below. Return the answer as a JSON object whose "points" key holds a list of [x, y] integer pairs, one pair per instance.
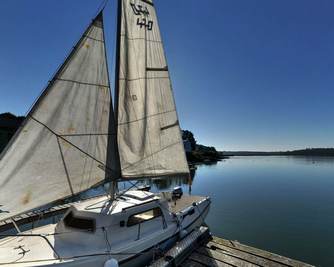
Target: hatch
{"points": [[139, 195]]}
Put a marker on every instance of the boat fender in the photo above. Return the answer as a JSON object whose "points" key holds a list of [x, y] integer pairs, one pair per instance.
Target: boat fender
{"points": [[183, 233], [111, 263], [189, 211]]}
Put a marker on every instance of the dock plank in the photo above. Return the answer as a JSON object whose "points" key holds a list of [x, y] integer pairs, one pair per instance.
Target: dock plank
{"points": [[225, 258], [258, 260], [260, 253], [190, 263], [208, 251], [208, 261]]}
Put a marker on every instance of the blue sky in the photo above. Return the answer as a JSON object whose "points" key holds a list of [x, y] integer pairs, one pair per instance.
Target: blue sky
{"points": [[247, 75]]}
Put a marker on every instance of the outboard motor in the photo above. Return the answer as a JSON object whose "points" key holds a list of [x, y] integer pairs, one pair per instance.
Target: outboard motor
{"points": [[177, 192]]}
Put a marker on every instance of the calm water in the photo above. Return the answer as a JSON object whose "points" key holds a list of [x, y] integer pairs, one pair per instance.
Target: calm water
{"points": [[281, 204]]}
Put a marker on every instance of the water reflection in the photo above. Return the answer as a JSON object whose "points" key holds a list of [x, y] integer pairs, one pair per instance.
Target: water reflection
{"points": [[165, 184], [312, 160]]}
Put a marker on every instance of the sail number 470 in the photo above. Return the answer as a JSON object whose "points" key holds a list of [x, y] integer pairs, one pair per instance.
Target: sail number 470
{"points": [[143, 22]]}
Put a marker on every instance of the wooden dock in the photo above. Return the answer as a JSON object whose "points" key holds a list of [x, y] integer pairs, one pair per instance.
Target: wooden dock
{"points": [[201, 249], [225, 253]]}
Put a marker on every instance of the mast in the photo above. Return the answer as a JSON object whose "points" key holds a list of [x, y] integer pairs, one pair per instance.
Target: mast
{"points": [[114, 184], [118, 48]]}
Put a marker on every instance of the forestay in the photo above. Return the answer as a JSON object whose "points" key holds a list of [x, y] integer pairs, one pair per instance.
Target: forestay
{"points": [[149, 137], [61, 148]]}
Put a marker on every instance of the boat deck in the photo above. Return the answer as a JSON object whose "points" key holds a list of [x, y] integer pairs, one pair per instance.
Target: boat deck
{"points": [[181, 203]]}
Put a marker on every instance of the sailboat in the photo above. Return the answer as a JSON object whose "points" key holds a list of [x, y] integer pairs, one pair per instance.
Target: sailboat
{"points": [[75, 138]]}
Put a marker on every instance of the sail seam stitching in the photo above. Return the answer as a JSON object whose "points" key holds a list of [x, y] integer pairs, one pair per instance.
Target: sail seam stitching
{"points": [[84, 83], [65, 167], [143, 78], [94, 39], [143, 39], [97, 134]]}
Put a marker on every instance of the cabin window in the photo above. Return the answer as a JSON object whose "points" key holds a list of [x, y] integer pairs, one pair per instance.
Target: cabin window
{"points": [[144, 216], [79, 222]]}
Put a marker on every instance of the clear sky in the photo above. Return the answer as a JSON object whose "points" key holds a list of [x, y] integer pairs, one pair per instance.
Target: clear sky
{"points": [[247, 74]]}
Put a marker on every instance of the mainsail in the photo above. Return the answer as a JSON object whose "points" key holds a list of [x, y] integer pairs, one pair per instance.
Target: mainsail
{"points": [[149, 137], [61, 148]]}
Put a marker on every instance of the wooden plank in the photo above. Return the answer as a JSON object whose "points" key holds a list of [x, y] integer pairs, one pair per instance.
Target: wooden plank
{"points": [[260, 261], [261, 253], [190, 263], [207, 261], [217, 255]]}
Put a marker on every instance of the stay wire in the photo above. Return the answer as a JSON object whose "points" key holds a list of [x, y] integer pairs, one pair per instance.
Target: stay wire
{"points": [[101, 7]]}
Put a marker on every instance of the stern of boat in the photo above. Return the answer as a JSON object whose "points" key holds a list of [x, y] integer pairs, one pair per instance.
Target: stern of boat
{"points": [[190, 210]]}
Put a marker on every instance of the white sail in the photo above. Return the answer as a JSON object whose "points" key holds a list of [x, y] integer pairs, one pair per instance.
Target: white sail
{"points": [[61, 148], [149, 137]]}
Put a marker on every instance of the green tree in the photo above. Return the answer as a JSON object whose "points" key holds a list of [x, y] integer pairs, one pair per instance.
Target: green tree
{"points": [[188, 135]]}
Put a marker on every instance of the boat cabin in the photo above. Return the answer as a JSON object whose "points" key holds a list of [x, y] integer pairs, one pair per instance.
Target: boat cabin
{"points": [[132, 216]]}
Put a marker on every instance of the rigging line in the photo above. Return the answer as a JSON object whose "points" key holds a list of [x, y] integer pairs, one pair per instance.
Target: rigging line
{"points": [[65, 167], [83, 83], [107, 240], [146, 117], [126, 190], [87, 154], [101, 7]]}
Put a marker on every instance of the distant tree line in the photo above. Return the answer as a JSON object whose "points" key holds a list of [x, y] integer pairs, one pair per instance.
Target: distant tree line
{"points": [[325, 152], [311, 152], [200, 153]]}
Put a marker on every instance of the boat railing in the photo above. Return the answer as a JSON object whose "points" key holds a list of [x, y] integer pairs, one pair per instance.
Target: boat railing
{"points": [[39, 214]]}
